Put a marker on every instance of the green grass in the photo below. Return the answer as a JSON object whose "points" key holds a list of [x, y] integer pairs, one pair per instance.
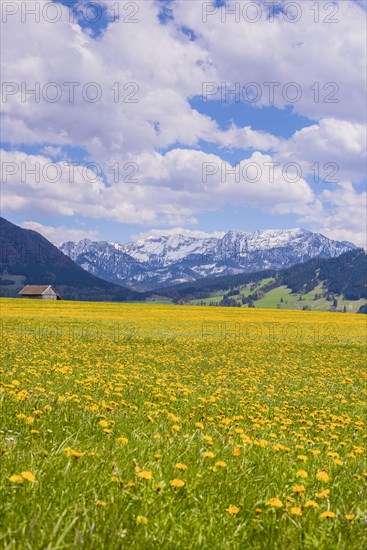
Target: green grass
{"points": [[176, 396]]}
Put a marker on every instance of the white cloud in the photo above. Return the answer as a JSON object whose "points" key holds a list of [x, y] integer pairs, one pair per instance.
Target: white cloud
{"points": [[338, 142], [151, 108], [169, 69], [60, 234], [171, 189], [331, 141], [344, 215], [245, 138], [303, 52], [52, 151]]}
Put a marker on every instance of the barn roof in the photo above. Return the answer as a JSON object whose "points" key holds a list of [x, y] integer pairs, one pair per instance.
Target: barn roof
{"points": [[35, 290]]}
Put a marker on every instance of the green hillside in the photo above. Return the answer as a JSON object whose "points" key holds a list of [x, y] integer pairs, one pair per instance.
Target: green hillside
{"points": [[282, 297], [337, 284]]}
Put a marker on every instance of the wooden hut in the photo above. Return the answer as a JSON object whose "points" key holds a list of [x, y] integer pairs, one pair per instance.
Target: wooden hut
{"points": [[39, 292]]}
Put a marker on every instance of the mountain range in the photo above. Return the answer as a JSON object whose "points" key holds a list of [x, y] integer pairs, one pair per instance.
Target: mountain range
{"points": [[332, 280], [165, 260]]}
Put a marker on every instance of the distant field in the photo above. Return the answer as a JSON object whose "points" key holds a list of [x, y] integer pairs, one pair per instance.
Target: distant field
{"points": [[158, 426]]}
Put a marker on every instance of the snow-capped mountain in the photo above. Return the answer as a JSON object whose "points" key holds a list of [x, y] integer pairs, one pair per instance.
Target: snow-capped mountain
{"points": [[171, 259]]}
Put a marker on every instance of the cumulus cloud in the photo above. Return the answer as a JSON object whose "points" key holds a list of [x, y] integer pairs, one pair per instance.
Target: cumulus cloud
{"points": [[145, 75], [320, 53], [60, 234], [171, 188], [332, 141], [120, 94], [344, 215]]}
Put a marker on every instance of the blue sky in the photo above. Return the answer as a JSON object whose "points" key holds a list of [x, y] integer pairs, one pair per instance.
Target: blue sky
{"points": [[164, 55]]}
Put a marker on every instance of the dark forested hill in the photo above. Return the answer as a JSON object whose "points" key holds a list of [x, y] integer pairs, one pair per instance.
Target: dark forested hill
{"points": [[346, 274], [26, 257]]}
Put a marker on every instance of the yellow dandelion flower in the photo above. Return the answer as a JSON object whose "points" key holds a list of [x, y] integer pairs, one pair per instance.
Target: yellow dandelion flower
{"points": [[221, 464], [323, 494], [77, 454], [123, 440], [142, 520], [157, 456], [199, 425], [350, 517], [298, 488], [233, 510], [359, 450], [323, 476], [177, 483], [275, 502], [208, 454], [327, 514], [236, 451], [258, 510], [101, 503], [145, 474], [30, 419], [181, 466], [28, 476], [16, 479], [103, 423], [332, 454], [311, 504], [302, 473], [296, 511], [304, 458], [338, 462]]}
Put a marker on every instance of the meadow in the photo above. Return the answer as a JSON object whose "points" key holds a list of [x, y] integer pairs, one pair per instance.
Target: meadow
{"points": [[160, 426]]}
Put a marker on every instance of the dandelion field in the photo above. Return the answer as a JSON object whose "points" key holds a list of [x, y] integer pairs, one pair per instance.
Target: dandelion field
{"points": [[156, 426]]}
